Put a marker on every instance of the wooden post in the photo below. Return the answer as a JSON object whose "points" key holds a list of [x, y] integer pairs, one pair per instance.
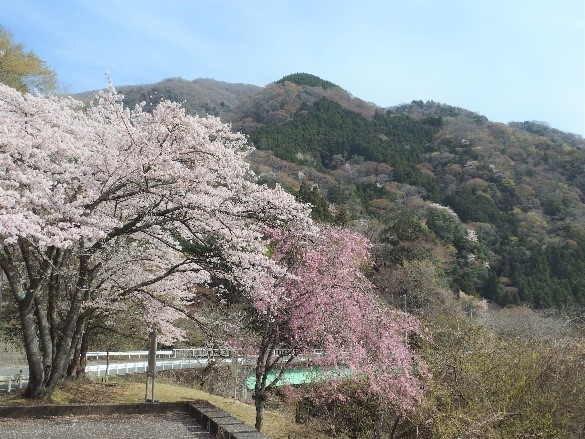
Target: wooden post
{"points": [[107, 365], [235, 371], [151, 367]]}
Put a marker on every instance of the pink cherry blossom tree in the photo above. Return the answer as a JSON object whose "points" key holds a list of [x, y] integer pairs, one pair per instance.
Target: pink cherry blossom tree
{"points": [[97, 206], [326, 302]]}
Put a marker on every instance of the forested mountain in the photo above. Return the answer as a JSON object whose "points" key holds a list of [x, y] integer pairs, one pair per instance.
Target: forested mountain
{"points": [[498, 208]]}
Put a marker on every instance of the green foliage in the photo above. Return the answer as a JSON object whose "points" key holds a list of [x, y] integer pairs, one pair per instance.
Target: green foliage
{"points": [[549, 276], [545, 130], [310, 194], [555, 206], [22, 70], [307, 79], [407, 227], [443, 224], [326, 130], [469, 278], [474, 207], [342, 217], [427, 109], [367, 192]]}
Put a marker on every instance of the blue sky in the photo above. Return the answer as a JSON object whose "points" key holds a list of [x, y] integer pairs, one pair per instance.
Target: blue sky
{"points": [[510, 60]]}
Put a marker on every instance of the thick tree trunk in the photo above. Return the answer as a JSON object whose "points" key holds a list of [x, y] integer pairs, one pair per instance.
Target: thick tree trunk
{"points": [[260, 389], [394, 427], [55, 282], [64, 348], [36, 370], [63, 351], [25, 300], [261, 374], [46, 343], [265, 363]]}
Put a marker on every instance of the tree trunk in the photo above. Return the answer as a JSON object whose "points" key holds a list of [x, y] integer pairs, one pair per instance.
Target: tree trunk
{"points": [[260, 392], [259, 403], [44, 333], [394, 427], [261, 375], [83, 354], [79, 361], [36, 370], [260, 385], [73, 370], [30, 331], [64, 348]]}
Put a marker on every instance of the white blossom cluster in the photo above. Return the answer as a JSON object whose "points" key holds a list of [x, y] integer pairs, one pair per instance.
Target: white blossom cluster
{"points": [[128, 189], [446, 209]]}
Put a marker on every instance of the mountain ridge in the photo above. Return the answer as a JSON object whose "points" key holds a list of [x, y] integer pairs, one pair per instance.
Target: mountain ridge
{"points": [[243, 90]]}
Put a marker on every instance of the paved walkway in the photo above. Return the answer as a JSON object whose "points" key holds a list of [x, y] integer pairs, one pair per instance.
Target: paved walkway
{"points": [[146, 426]]}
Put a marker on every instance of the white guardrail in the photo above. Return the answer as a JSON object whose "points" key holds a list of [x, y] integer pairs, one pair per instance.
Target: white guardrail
{"points": [[175, 359], [126, 354], [167, 360], [174, 353], [101, 370], [11, 382]]}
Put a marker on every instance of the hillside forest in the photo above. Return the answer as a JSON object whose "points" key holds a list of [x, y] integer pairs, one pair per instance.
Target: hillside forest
{"points": [[498, 208]]}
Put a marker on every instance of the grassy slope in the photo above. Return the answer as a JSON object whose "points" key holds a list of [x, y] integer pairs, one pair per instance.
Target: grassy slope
{"points": [[278, 424]]}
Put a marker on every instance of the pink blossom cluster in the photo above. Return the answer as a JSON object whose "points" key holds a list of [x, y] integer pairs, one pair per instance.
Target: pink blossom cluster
{"points": [[328, 303]]}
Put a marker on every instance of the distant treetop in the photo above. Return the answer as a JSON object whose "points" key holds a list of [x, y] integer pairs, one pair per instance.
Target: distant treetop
{"points": [[307, 79], [22, 70]]}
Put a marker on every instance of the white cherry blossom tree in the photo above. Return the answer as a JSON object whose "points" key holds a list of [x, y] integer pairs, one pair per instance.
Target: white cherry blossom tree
{"points": [[97, 206]]}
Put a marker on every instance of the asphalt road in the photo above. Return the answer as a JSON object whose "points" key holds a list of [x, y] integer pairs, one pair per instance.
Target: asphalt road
{"points": [[149, 426]]}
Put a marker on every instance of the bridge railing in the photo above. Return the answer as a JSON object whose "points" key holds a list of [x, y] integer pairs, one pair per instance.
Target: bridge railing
{"points": [[201, 352], [11, 382], [196, 352], [125, 354], [128, 368]]}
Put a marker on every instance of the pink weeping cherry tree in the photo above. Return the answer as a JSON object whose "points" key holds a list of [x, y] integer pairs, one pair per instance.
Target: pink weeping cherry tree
{"points": [[97, 204], [326, 302]]}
